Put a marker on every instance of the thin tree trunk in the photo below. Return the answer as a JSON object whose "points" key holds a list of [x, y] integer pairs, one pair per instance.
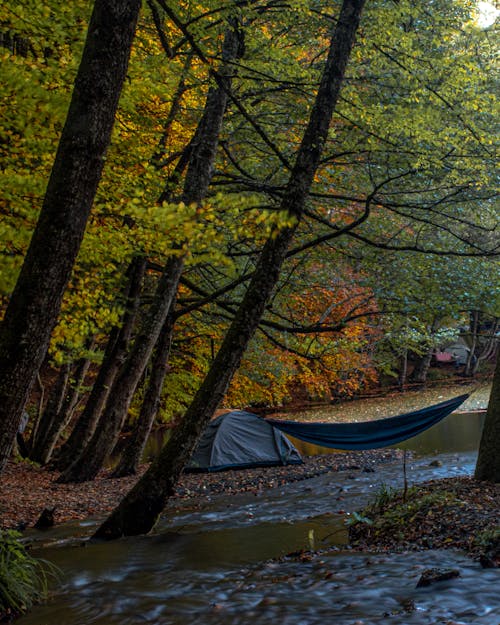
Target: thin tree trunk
{"points": [[488, 460], [471, 358], [403, 371], [422, 366], [114, 357], [39, 409], [35, 303], [132, 454], [52, 409], [77, 382], [139, 510], [488, 347], [61, 418], [197, 181], [88, 464]]}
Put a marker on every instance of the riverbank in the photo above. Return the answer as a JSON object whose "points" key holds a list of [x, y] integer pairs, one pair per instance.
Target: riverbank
{"points": [[459, 513], [27, 489], [456, 512]]}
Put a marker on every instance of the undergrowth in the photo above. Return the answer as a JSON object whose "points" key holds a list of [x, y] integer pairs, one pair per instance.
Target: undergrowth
{"points": [[390, 508], [24, 580]]}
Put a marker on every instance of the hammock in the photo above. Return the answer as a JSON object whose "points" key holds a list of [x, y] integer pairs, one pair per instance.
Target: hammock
{"points": [[369, 434]]}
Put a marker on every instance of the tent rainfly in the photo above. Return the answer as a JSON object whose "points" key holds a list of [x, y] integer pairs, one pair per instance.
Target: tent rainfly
{"points": [[241, 439]]}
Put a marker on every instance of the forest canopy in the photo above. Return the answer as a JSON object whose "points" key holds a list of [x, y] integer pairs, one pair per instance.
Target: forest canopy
{"points": [[398, 244]]}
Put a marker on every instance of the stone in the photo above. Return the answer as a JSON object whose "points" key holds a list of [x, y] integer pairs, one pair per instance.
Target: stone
{"points": [[46, 519], [436, 463], [432, 576]]}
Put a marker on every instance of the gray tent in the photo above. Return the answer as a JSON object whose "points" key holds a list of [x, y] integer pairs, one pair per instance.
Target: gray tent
{"points": [[240, 439]]}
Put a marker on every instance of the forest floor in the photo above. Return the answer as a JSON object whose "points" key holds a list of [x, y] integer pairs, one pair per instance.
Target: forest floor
{"points": [[26, 489], [452, 512], [458, 513]]}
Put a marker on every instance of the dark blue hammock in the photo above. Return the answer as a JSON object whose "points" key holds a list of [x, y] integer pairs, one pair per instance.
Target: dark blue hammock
{"points": [[369, 434]]}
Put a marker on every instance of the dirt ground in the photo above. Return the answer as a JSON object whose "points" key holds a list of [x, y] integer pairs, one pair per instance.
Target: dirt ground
{"points": [[456, 513], [25, 489]]}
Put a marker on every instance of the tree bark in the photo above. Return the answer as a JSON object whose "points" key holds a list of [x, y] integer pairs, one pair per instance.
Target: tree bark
{"points": [[196, 183], [132, 454], [421, 369], [35, 303], [88, 464], [114, 357], [474, 332], [403, 370], [41, 403], [60, 419], [140, 509], [488, 460], [53, 407]]}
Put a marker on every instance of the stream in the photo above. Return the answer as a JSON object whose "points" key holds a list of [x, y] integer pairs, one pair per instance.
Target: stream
{"points": [[225, 563]]}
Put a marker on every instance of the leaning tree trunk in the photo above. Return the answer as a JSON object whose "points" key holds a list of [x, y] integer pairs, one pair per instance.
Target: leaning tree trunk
{"points": [[44, 448], [132, 454], [89, 463], [49, 415], [114, 357], [197, 181], [35, 303], [488, 460], [139, 510]]}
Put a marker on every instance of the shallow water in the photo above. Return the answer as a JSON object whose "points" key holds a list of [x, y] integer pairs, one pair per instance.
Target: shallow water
{"points": [[223, 562], [220, 565], [146, 581]]}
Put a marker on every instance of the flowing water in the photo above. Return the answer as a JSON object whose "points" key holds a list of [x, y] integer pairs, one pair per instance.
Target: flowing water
{"points": [[226, 564]]}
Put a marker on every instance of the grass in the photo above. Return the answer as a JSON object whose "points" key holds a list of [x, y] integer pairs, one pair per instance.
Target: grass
{"points": [[488, 540], [24, 580], [391, 508]]}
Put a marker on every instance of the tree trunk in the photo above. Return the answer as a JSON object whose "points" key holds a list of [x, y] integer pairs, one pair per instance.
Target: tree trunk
{"points": [[132, 454], [139, 510], [44, 448], [88, 464], [421, 369], [488, 344], [55, 402], [39, 413], [488, 461], [35, 303], [491, 344], [403, 370], [198, 177], [472, 358], [114, 357]]}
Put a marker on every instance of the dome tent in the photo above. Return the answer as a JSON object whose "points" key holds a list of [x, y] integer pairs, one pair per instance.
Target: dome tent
{"points": [[240, 439]]}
